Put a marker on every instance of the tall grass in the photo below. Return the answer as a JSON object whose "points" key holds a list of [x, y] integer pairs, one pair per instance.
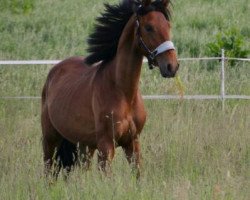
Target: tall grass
{"points": [[191, 149], [58, 29]]}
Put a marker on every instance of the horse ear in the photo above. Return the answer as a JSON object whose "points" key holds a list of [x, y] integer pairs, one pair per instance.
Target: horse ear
{"points": [[134, 5], [165, 3], [146, 3]]}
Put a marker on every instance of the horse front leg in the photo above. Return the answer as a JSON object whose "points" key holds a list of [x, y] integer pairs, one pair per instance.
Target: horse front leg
{"points": [[86, 154], [133, 155], [106, 151]]}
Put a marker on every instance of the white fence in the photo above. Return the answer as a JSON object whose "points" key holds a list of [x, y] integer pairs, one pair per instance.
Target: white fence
{"points": [[221, 96]]}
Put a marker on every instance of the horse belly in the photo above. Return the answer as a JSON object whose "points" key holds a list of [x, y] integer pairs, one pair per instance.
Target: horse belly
{"points": [[75, 127], [73, 117]]}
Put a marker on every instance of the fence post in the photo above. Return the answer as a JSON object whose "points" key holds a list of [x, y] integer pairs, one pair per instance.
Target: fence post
{"points": [[222, 88]]}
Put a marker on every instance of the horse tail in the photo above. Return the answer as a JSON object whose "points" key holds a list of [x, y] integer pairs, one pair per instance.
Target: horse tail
{"points": [[66, 154]]}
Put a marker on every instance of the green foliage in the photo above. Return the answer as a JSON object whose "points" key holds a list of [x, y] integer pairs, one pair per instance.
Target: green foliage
{"points": [[232, 42], [17, 6]]}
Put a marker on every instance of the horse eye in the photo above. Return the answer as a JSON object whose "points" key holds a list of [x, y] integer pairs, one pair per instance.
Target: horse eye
{"points": [[149, 28]]}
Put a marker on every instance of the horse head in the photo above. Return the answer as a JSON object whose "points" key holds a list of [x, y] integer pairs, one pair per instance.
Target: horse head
{"points": [[153, 33]]}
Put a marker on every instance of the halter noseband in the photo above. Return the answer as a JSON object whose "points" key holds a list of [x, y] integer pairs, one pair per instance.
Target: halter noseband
{"points": [[151, 55]]}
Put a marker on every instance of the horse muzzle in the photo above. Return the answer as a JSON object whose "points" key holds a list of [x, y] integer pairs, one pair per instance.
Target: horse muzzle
{"points": [[168, 66]]}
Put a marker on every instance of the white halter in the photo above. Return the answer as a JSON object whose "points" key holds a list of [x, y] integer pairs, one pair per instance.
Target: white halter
{"points": [[165, 46]]}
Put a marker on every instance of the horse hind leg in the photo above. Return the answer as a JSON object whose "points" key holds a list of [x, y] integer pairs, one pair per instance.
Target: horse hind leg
{"points": [[58, 151], [55, 147], [51, 140]]}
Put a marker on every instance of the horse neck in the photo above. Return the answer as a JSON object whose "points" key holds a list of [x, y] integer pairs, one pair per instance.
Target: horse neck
{"points": [[128, 62]]}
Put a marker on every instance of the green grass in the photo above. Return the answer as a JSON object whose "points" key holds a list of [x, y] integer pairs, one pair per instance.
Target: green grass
{"points": [[191, 149]]}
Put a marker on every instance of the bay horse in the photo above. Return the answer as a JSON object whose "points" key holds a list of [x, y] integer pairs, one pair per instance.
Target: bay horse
{"points": [[94, 103]]}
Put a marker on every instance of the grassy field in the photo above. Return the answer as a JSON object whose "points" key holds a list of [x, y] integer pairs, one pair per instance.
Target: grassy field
{"points": [[191, 149]]}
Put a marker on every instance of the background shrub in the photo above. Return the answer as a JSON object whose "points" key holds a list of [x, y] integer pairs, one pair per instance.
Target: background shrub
{"points": [[232, 42], [17, 6]]}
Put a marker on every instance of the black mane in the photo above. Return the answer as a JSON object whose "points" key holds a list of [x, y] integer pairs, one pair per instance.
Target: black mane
{"points": [[103, 42]]}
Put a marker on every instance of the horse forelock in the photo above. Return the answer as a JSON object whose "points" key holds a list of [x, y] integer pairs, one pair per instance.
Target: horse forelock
{"points": [[103, 41], [156, 5]]}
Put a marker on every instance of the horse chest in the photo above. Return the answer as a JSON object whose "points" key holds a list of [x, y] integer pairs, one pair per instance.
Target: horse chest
{"points": [[124, 129], [128, 122], [125, 126]]}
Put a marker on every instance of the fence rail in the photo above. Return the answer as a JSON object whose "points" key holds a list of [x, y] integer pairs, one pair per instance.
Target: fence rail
{"points": [[161, 97], [53, 62], [222, 96]]}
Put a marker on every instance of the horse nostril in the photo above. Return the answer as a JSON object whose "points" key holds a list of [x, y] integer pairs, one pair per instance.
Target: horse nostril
{"points": [[169, 68]]}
